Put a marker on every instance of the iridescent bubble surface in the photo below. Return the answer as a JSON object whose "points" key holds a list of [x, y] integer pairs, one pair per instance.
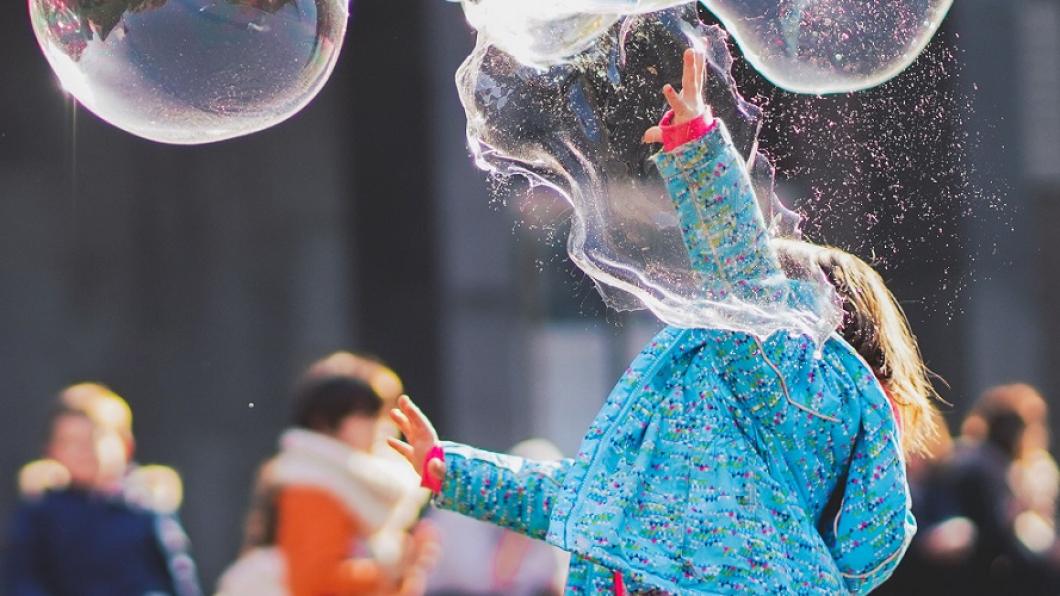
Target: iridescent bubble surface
{"points": [[191, 71], [806, 46], [575, 127]]}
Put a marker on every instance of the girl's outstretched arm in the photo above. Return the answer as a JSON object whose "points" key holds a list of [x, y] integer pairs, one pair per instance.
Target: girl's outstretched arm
{"points": [[722, 226], [511, 492]]}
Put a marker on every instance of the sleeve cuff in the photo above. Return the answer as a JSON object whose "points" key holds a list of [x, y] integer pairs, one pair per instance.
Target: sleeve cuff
{"points": [[675, 135], [696, 153], [427, 480]]}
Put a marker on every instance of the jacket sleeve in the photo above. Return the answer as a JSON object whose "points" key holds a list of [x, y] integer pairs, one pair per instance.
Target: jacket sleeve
{"points": [[723, 229], [875, 524], [505, 490], [315, 534], [175, 549], [24, 556]]}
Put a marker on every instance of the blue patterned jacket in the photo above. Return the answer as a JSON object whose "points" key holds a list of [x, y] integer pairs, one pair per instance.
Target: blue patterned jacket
{"points": [[721, 463]]}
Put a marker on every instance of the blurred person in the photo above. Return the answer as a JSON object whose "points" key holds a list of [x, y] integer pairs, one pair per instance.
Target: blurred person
{"points": [[1003, 436], [1033, 475], [330, 517], [90, 522], [382, 379], [480, 559]]}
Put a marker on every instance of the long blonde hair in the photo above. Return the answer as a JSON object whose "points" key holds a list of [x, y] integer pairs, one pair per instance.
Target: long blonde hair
{"points": [[876, 326]]}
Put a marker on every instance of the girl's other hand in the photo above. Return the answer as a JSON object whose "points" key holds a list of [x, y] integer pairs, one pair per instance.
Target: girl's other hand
{"points": [[419, 434], [688, 104]]}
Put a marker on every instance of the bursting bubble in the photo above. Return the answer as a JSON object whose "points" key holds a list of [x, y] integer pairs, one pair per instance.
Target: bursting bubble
{"points": [[191, 71], [576, 127], [559, 92], [805, 46]]}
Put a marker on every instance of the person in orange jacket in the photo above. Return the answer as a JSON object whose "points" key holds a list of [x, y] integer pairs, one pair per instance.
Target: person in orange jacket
{"points": [[332, 517]]}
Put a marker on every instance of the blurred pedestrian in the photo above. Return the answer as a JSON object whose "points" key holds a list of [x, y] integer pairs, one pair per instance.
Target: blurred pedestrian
{"points": [[384, 381], [91, 523], [1003, 437], [331, 517]]}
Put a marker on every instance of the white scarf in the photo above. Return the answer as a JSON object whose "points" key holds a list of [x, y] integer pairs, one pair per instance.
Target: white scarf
{"points": [[380, 492]]}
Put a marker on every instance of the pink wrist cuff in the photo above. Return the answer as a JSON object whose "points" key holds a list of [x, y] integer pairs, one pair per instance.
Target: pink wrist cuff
{"points": [[427, 480], [675, 135]]}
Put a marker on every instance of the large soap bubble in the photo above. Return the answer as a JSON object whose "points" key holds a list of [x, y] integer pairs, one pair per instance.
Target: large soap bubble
{"points": [[806, 46], [576, 127], [191, 71]]}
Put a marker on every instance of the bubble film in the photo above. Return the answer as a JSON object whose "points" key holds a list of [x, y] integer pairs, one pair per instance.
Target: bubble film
{"points": [[892, 163], [575, 127], [191, 71], [806, 46]]}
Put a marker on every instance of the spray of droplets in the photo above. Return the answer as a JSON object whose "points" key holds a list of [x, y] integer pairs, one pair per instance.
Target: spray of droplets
{"points": [[575, 129], [545, 105], [892, 164]]}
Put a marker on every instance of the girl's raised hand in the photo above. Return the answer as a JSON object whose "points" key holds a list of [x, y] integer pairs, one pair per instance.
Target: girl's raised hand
{"points": [[419, 434], [688, 104]]}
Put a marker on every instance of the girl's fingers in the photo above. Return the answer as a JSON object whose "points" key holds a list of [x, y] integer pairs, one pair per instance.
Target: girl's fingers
{"points": [[653, 135], [437, 468], [675, 101], [416, 416], [403, 448], [402, 421], [701, 72], [411, 412], [688, 74]]}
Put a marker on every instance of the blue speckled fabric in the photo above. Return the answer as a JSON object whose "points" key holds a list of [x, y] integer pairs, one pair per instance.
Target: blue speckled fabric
{"points": [[721, 463]]}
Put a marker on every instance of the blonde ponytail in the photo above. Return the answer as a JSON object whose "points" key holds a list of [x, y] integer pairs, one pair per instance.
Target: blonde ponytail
{"points": [[876, 326]]}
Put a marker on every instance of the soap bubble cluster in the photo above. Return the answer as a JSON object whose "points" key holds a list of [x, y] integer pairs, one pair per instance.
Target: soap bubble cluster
{"points": [[191, 71], [559, 92], [807, 46], [575, 128]]}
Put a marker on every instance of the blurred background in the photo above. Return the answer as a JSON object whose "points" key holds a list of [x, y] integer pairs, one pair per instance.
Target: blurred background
{"points": [[198, 281]]}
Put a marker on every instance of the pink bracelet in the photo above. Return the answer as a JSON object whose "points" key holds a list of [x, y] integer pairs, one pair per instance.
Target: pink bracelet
{"points": [[427, 480], [675, 135]]}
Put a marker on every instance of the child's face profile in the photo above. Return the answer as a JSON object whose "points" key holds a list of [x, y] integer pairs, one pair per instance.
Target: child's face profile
{"points": [[358, 432], [73, 444]]}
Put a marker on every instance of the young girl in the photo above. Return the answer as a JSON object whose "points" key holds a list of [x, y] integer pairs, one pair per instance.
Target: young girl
{"points": [[721, 462]]}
